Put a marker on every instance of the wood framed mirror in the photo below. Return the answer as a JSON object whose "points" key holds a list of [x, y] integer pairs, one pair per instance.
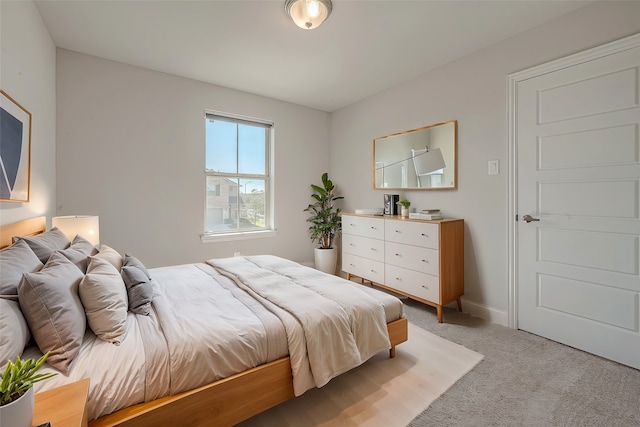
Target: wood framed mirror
{"points": [[419, 159]]}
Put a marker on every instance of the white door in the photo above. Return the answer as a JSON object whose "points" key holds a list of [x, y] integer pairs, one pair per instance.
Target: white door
{"points": [[577, 171]]}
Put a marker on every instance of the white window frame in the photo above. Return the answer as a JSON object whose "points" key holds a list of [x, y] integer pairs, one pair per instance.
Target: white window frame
{"points": [[269, 229]]}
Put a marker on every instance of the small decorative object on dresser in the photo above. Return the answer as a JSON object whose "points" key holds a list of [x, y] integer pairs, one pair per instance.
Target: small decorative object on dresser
{"points": [[325, 224], [423, 260], [404, 208], [16, 390]]}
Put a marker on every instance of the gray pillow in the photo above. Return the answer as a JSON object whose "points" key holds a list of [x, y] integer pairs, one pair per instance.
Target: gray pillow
{"points": [[16, 260], [51, 305], [139, 287], [79, 252], [45, 244], [104, 298], [13, 330]]}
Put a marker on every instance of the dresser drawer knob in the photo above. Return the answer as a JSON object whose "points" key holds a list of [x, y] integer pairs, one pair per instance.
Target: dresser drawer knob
{"points": [[425, 235], [398, 279], [373, 249], [397, 254], [425, 260], [426, 287], [397, 231]]}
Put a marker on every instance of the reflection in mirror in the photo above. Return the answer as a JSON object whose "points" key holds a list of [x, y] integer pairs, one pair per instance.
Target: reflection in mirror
{"points": [[422, 159]]}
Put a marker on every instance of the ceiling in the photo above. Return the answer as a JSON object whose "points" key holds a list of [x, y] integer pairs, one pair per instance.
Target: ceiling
{"points": [[363, 48]]}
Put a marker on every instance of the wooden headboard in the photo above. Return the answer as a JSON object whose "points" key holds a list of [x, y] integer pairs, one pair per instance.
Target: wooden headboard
{"points": [[26, 227]]}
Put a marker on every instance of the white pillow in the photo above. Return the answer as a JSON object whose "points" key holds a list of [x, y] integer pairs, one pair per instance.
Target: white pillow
{"points": [[13, 330], [110, 255], [104, 297]]}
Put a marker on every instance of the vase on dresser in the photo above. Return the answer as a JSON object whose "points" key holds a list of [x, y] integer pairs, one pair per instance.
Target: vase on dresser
{"points": [[404, 212], [326, 260]]}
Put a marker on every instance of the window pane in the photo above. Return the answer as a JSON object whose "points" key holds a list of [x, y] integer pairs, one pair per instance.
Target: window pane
{"points": [[252, 203], [222, 140], [221, 204], [251, 149]]}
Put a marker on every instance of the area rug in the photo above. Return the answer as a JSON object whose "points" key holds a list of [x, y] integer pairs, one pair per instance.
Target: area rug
{"points": [[383, 391]]}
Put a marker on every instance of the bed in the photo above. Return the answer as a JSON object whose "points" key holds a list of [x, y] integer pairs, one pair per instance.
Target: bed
{"points": [[164, 364]]}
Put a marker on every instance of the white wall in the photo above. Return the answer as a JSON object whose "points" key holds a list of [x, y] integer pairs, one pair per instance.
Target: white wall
{"points": [[472, 90], [27, 74], [131, 150]]}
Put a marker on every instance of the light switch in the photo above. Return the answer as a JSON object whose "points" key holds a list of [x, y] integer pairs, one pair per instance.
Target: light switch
{"points": [[494, 167]]}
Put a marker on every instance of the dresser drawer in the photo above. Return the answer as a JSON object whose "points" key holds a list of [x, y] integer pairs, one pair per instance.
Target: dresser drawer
{"points": [[424, 260], [418, 284], [412, 233], [363, 246], [363, 267], [363, 226]]}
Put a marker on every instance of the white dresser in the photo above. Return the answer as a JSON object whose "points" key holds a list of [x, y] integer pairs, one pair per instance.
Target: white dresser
{"points": [[423, 260]]}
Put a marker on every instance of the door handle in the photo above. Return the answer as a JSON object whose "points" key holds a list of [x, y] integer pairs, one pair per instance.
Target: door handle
{"points": [[529, 218]]}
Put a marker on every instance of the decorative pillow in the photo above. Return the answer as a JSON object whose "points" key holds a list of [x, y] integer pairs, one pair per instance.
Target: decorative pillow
{"points": [[139, 287], [104, 297], [45, 244], [110, 255], [79, 252], [51, 305], [16, 260], [13, 330]]}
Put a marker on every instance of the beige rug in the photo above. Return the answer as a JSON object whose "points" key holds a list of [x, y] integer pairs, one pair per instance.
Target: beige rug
{"points": [[383, 391]]}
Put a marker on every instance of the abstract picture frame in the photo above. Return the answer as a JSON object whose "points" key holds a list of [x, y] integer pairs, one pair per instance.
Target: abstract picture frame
{"points": [[15, 150]]}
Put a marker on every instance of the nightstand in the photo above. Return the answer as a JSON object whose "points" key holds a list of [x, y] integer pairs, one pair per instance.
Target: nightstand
{"points": [[64, 406]]}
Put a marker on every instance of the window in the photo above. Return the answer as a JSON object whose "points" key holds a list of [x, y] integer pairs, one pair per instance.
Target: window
{"points": [[237, 174]]}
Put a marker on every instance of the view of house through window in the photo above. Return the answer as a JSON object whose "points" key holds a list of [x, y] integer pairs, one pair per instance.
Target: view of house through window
{"points": [[237, 175]]}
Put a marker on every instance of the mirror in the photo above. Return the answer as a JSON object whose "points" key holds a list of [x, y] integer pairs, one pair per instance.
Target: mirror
{"points": [[418, 159]]}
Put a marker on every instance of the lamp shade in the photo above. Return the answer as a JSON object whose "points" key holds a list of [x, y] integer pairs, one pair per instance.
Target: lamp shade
{"points": [[308, 14], [87, 226], [427, 161]]}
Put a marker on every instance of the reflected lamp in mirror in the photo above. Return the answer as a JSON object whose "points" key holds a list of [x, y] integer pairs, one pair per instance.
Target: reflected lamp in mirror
{"points": [[419, 159], [87, 226], [428, 164]]}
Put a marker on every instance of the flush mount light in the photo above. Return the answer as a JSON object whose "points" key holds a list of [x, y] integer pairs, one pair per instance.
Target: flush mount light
{"points": [[308, 14]]}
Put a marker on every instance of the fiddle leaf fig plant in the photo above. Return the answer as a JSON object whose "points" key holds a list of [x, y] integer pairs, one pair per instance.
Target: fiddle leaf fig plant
{"points": [[19, 377], [325, 219]]}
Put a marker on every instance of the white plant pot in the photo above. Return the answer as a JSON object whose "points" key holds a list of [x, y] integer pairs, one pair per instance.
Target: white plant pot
{"points": [[18, 413], [404, 212], [326, 260]]}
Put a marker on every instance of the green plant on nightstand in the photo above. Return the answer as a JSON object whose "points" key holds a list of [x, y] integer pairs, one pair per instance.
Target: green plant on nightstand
{"points": [[16, 392]]}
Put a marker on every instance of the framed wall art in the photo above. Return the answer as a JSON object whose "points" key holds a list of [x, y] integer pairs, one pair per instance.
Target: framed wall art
{"points": [[15, 150]]}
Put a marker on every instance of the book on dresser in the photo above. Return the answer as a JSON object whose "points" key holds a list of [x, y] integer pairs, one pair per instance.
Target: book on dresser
{"points": [[423, 260], [427, 216]]}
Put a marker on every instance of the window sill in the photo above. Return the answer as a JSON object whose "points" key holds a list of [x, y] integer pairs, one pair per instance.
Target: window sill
{"points": [[227, 237]]}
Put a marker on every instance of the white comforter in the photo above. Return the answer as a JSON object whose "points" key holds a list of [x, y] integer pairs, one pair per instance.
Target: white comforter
{"points": [[341, 326], [205, 326]]}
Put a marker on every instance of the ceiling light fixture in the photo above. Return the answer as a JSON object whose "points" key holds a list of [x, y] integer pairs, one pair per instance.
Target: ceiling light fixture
{"points": [[308, 14]]}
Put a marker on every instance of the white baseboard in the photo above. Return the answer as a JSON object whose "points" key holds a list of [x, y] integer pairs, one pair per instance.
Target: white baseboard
{"points": [[485, 312]]}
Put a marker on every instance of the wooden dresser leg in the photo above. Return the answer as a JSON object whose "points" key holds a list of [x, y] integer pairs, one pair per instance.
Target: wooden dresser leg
{"points": [[392, 352], [459, 305], [348, 276], [439, 311]]}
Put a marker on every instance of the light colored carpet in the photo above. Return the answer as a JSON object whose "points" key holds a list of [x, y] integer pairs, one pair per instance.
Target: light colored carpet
{"points": [[526, 381], [383, 391]]}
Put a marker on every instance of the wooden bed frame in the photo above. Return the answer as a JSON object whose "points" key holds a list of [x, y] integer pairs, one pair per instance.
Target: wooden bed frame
{"points": [[223, 403]]}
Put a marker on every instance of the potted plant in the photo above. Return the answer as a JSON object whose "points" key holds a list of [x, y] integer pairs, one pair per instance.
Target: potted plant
{"points": [[404, 208], [16, 390], [326, 224]]}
